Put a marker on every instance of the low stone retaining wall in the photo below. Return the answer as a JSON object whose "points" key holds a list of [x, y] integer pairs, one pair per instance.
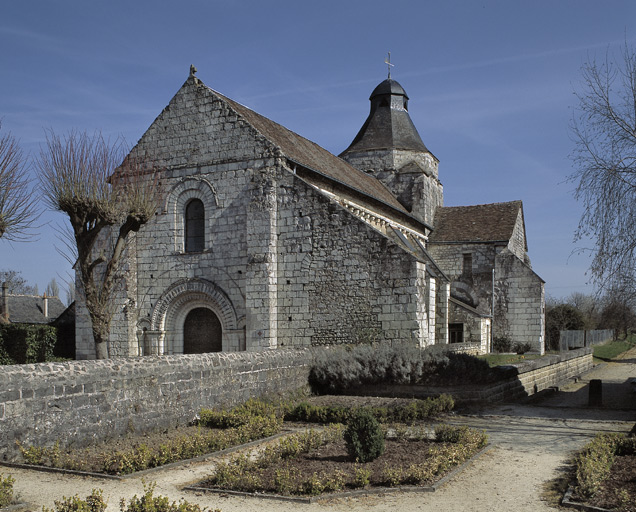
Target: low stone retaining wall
{"points": [[80, 402], [539, 374]]}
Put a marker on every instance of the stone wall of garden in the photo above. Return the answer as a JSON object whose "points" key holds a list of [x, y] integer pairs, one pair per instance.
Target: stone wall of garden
{"points": [[534, 376], [79, 402]]}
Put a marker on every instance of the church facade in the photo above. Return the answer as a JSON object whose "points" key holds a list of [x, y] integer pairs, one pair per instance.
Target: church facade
{"points": [[265, 240]]}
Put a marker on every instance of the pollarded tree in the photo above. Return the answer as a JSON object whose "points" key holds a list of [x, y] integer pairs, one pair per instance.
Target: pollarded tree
{"points": [[604, 132], [17, 206], [108, 197]]}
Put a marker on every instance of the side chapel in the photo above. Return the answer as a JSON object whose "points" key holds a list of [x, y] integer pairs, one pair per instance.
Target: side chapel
{"points": [[266, 240]]}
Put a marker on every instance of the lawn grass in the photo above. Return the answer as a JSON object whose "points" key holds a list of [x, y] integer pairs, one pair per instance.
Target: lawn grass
{"points": [[504, 359], [613, 349]]}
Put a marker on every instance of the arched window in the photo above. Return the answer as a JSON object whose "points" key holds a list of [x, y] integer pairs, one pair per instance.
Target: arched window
{"points": [[194, 226], [202, 332]]}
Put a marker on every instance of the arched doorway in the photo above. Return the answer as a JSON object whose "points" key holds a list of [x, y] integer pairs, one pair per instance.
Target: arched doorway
{"points": [[202, 332]]}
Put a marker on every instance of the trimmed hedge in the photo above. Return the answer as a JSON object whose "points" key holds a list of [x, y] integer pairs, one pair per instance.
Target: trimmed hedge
{"points": [[594, 462], [337, 370], [404, 413]]}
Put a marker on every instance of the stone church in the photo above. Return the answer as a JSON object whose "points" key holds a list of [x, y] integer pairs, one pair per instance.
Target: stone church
{"points": [[265, 240]]}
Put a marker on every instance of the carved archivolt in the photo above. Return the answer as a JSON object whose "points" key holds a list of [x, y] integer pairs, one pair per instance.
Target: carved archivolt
{"points": [[185, 295]]}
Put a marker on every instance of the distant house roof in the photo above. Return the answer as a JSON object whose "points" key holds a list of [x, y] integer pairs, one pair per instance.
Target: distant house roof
{"points": [[29, 309], [479, 223]]}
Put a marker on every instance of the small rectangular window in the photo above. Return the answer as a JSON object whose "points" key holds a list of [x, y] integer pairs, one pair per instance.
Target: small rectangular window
{"points": [[456, 333]]}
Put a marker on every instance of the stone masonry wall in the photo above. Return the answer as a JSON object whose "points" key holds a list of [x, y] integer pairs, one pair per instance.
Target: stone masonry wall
{"points": [[339, 280], [412, 176], [80, 402], [203, 150], [520, 302]]}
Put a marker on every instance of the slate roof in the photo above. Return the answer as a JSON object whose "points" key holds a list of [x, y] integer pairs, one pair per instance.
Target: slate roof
{"points": [[27, 309], [315, 158], [479, 223], [387, 127]]}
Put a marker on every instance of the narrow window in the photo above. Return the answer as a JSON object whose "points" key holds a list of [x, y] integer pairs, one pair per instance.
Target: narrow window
{"points": [[467, 270], [194, 226]]}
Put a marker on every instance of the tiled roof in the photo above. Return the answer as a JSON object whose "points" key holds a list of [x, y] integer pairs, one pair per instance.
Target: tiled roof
{"points": [[315, 158], [479, 223], [387, 127], [28, 309]]}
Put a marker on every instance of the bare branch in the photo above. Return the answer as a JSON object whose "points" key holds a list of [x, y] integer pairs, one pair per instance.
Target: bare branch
{"points": [[17, 205], [604, 133]]}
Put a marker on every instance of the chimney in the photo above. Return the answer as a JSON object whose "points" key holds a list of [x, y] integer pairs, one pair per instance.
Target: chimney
{"points": [[5, 301], [45, 305]]}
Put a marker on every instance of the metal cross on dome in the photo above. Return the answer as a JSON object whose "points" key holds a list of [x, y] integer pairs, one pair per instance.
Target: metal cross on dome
{"points": [[387, 61]]}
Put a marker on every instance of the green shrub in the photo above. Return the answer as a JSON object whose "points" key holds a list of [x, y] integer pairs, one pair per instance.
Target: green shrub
{"points": [[405, 413], [594, 463], [364, 437], [150, 503], [460, 435], [6, 490], [94, 502], [239, 415], [521, 348], [20, 344], [502, 344]]}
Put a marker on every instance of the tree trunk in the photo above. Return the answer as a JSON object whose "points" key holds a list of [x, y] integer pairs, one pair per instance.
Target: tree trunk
{"points": [[101, 349]]}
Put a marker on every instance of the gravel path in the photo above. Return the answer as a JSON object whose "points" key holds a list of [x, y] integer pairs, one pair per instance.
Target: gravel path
{"points": [[530, 445]]}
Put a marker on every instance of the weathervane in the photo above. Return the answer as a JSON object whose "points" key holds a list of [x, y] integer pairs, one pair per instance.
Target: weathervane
{"points": [[387, 61]]}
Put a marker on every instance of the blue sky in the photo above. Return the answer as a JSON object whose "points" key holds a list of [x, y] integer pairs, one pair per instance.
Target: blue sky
{"points": [[490, 84]]}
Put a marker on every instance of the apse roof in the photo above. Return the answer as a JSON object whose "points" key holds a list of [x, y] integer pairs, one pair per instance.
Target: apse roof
{"points": [[478, 223]]}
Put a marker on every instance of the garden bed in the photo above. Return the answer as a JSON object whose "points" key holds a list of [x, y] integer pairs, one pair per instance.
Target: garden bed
{"points": [[219, 431], [605, 474], [215, 431], [317, 463]]}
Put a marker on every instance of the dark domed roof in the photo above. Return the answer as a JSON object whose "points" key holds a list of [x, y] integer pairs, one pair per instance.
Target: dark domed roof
{"points": [[389, 86], [389, 125]]}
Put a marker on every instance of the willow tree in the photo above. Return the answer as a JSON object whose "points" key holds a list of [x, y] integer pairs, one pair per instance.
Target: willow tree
{"points": [[17, 206], [107, 197], [604, 133]]}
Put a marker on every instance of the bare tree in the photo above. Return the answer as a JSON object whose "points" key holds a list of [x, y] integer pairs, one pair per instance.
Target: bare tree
{"points": [[17, 206], [108, 197], [604, 133], [16, 283]]}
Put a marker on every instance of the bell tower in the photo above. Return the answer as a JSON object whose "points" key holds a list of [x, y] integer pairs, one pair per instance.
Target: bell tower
{"points": [[389, 147]]}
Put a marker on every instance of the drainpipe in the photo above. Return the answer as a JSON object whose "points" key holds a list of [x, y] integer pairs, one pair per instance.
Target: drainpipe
{"points": [[5, 300], [492, 313]]}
